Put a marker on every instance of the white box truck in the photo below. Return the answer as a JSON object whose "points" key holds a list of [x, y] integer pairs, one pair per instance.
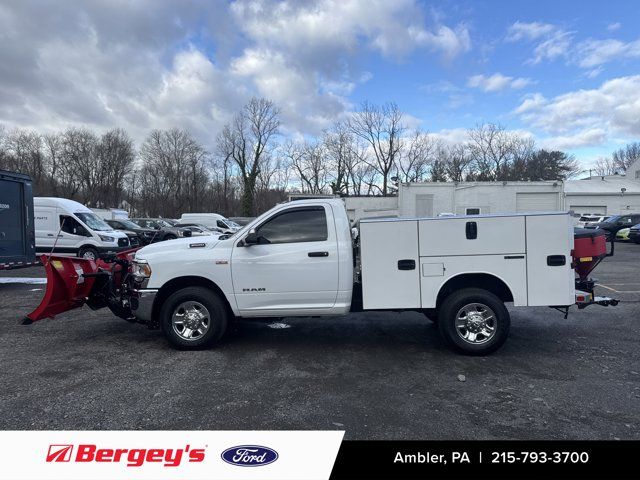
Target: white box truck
{"points": [[298, 260]]}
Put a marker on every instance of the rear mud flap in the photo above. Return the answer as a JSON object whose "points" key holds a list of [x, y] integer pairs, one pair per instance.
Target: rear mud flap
{"points": [[67, 286]]}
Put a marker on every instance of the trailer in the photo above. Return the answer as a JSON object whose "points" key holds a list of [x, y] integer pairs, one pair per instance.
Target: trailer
{"points": [[17, 235], [298, 259]]}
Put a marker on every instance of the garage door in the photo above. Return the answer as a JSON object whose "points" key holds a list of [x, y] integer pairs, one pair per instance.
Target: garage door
{"points": [[582, 209], [536, 202]]}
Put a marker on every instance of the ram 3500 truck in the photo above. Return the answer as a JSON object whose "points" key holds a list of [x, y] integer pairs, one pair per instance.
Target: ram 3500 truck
{"points": [[298, 260]]}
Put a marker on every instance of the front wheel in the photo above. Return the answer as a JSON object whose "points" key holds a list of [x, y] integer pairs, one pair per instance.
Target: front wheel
{"points": [[88, 253], [474, 321], [193, 318]]}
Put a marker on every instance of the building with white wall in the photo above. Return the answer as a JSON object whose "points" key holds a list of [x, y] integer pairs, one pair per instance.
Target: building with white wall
{"points": [[471, 198], [611, 195]]}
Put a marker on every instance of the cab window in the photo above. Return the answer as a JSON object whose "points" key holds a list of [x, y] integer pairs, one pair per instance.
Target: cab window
{"points": [[71, 226], [293, 226]]}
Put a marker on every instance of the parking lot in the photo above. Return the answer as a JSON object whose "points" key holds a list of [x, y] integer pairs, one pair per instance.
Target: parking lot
{"points": [[375, 375]]}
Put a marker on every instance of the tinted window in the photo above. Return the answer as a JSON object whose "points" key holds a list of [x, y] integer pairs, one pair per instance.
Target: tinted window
{"points": [[221, 224], [71, 225], [308, 225]]}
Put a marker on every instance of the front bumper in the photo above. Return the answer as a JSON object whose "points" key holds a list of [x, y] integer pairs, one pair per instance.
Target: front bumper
{"points": [[142, 303]]}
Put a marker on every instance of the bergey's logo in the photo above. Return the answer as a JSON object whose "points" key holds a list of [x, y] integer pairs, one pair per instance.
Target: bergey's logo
{"points": [[59, 453], [249, 455], [131, 457]]}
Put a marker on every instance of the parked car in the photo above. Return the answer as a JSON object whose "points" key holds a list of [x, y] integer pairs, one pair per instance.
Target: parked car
{"points": [[198, 230], [613, 224], [165, 230], [146, 235], [211, 220], [68, 227], [623, 235], [587, 219], [634, 233]]}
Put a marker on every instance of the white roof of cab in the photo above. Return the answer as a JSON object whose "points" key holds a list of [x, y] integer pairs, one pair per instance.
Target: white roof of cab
{"points": [[64, 203]]}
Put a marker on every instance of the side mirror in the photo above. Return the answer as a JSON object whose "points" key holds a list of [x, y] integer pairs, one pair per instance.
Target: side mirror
{"points": [[186, 232], [252, 238]]}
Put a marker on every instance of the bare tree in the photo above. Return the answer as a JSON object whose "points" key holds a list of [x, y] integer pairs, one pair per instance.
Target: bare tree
{"points": [[605, 166], [624, 157], [246, 139], [494, 150], [115, 156], [339, 147], [173, 176], [417, 157], [457, 161], [309, 166], [381, 127]]}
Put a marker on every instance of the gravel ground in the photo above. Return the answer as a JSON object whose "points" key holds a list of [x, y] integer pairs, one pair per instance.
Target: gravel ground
{"points": [[375, 375]]}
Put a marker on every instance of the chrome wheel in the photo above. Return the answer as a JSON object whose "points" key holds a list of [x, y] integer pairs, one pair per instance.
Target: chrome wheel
{"points": [[89, 255], [476, 323], [190, 320]]}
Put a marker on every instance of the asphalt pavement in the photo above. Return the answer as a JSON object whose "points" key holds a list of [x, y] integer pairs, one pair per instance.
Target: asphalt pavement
{"points": [[375, 375]]}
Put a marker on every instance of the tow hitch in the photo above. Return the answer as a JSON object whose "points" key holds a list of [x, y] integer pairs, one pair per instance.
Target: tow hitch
{"points": [[73, 282]]}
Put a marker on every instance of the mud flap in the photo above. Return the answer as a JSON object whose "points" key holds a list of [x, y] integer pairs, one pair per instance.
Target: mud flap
{"points": [[67, 287]]}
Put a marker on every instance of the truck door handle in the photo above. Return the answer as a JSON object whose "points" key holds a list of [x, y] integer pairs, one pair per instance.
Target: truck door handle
{"points": [[318, 254], [556, 260], [406, 264]]}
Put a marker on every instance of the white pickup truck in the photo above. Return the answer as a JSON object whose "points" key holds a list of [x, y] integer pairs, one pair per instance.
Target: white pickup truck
{"points": [[298, 260]]}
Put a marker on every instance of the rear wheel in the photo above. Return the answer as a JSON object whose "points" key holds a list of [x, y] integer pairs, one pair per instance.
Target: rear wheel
{"points": [[474, 321], [88, 253], [193, 318]]}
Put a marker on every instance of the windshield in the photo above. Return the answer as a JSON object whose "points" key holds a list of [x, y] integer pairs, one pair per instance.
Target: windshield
{"points": [[232, 224], [163, 223], [611, 219], [94, 222], [128, 224]]}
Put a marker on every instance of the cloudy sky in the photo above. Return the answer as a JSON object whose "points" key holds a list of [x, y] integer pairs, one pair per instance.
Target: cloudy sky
{"points": [[567, 72]]}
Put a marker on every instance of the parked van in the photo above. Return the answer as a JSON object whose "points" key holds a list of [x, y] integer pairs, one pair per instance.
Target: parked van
{"points": [[73, 229], [211, 220]]}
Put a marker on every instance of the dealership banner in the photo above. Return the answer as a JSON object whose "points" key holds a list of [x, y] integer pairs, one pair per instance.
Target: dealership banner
{"points": [[87, 455], [299, 455]]}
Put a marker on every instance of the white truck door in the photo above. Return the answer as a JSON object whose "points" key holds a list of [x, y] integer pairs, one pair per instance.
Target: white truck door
{"points": [[294, 267]]}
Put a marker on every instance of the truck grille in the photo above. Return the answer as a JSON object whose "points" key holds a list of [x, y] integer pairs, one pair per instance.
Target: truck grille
{"points": [[123, 242]]}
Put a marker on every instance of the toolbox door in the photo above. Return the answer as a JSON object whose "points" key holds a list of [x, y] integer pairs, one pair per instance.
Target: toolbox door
{"points": [[390, 264]]}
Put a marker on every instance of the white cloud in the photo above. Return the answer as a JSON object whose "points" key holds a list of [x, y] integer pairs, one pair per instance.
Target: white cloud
{"points": [[497, 82], [585, 138], [587, 117], [551, 40], [147, 64], [529, 31], [612, 27], [592, 53]]}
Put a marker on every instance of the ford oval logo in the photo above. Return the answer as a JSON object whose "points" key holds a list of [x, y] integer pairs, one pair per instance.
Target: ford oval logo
{"points": [[249, 455]]}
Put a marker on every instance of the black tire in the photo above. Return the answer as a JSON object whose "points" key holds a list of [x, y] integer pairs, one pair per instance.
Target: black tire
{"points": [[169, 237], [475, 300], [90, 252], [214, 309]]}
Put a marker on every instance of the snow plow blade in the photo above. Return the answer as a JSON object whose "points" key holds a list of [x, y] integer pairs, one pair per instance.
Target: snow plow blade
{"points": [[70, 283]]}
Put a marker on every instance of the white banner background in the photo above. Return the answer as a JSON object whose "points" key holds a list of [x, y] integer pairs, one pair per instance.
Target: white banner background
{"points": [[302, 455]]}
